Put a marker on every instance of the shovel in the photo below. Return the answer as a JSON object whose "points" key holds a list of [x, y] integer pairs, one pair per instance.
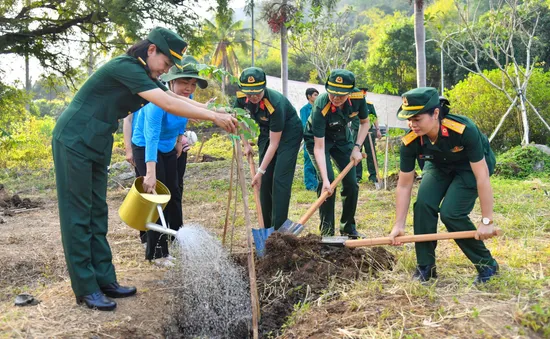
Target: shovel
{"points": [[344, 241], [297, 227], [378, 183], [260, 235]]}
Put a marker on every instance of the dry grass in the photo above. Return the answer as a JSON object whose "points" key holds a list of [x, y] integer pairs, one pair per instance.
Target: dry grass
{"points": [[391, 306]]}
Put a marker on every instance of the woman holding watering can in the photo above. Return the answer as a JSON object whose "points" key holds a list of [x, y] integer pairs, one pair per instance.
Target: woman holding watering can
{"points": [[157, 149], [82, 144], [459, 162], [278, 143]]}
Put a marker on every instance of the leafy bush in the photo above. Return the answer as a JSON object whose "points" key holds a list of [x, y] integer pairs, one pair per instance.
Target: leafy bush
{"points": [[28, 147], [523, 162], [476, 99], [51, 108]]}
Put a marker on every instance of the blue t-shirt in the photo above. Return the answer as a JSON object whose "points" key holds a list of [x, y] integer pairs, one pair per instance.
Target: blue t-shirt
{"points": [[156, 130], [305, 112]]}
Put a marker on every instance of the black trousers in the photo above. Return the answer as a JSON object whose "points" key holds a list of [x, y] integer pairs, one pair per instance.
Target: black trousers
{"points": [[182, 165], [167, 173]]}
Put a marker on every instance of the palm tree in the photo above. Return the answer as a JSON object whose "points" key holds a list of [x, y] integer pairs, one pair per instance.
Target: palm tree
{"points": [[226, 36], [420, 39]]}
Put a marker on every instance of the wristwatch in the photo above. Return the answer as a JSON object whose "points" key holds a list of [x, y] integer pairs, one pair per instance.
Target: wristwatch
{"points": [[358, 146], [486, 221]]}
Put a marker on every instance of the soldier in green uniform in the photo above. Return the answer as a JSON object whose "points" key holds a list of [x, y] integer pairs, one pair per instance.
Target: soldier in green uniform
{"points": [[327, 135], [374, 132], [459, 162], [278, 143], [82, 145]]}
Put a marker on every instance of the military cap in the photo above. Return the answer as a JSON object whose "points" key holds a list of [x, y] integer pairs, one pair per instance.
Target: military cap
{"points": [[169, 43], [188, 70], [340, 82], [416, 101], [252, 80]]}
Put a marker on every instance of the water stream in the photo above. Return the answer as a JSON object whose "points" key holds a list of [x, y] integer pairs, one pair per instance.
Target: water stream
{"points": [[212, 293]]}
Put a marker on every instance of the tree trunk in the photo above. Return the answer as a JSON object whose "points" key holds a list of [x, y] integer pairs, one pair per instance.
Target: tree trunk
{"points": [[27, 74], [420, 39], [91, 60], [284, 54], [252, 32]]}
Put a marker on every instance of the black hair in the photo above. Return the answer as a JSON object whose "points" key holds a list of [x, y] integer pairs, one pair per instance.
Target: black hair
{"points": [[310, 91], [442, 112], [139, 49]]}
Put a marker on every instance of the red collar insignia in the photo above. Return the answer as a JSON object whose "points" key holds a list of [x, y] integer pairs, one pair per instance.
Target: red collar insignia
{"points": [[262, 105], [332, 108], [444, 131]]}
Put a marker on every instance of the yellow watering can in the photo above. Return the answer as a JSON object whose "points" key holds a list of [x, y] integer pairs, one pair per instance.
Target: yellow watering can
{"points": [[141, 210]]}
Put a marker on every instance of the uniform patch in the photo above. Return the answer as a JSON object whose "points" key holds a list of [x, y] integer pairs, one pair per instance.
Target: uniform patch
{"points": [[240, 95], [251, 79], [453, 125], [324, 111], [357, 95], [352, 115], [339, 80], [457, 149], [269, 106], [407, 139]]}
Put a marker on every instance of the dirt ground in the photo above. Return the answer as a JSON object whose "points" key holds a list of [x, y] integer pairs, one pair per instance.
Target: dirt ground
{"points": [[307, 290], [33, 262]]}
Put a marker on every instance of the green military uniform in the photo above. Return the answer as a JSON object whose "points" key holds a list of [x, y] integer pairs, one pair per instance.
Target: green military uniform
{"points": [[274, 113], [366, 145], [330, 122], [447, 176], [82, 145]]}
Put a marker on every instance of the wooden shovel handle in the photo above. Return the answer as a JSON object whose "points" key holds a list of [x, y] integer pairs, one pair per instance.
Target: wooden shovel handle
{"points": [[416, 238], [325, 194], [256, 191], [373, 152]]}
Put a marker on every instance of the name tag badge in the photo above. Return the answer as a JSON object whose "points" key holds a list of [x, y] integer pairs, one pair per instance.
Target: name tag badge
{"points": [[457, 149], [264, 119], [426, 157], [333, 124]]}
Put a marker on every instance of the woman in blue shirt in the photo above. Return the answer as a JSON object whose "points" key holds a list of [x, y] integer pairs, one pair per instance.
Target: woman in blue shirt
{"points": [[157, 142]]}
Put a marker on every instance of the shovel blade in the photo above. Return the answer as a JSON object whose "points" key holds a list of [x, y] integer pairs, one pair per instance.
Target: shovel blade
{"points": [[260, 237], [338, 241], [290, 226]]}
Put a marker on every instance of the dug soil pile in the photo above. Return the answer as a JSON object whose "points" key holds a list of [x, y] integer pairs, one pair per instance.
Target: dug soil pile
{"points": [[300, 269], [10, 203]]}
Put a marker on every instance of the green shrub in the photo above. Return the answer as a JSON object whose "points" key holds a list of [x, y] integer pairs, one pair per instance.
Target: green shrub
{"points": [[523, 162], [28, 147]]}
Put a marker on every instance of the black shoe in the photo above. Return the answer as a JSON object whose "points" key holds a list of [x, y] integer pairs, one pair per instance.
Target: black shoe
{"points": [[425, 273], [353, 234], [114, 290], [486, 273], [97, 300]]}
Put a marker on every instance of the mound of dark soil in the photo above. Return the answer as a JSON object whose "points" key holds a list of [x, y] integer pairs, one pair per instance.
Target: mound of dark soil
{"points": [[14, 202], [297, 270], [203, 158]]}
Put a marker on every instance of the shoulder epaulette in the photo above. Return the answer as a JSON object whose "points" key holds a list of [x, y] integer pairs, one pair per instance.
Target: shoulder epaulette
{"points": [[240, 95], [269, 106], [453, 125], [325, 110], [410, 137], [357, 95], [369, 102]]}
